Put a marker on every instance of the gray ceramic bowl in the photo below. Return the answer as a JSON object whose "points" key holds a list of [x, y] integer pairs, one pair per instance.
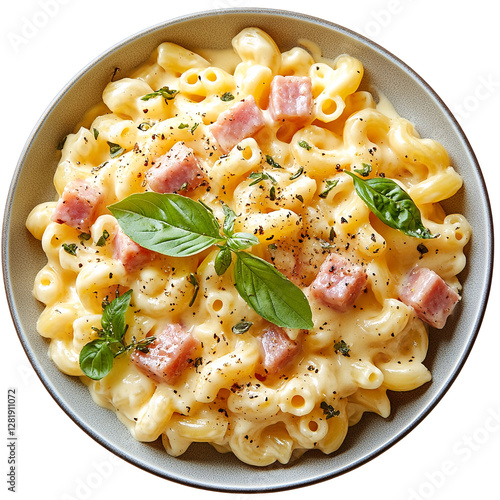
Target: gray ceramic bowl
{"points": [[202, 466]]}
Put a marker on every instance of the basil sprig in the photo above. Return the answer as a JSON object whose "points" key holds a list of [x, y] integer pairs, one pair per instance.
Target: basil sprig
{"points": [[96, 357], [391, 204], [177, 226]]}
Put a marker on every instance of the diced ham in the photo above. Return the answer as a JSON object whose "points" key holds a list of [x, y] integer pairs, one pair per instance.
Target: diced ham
{"points": [[129, 253], [77, 207], [291, 98], [338, 282], [168, 355], [242, 120], [178, 170], [431, 297], [277, 351]]}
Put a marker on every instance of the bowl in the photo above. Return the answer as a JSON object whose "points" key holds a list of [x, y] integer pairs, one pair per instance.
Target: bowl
{"points": [[201, 466]]}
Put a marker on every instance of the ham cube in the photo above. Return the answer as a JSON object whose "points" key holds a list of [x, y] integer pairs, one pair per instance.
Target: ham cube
{"points": [[242, 120], [77, 207], [291, 98], [431, 297], [277, 351], [338, 283], [178, 170], [129, 253], [168, 356]]}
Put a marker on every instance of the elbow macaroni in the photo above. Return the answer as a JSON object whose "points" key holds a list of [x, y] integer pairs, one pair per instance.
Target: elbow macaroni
{"points": [[220, 399]]}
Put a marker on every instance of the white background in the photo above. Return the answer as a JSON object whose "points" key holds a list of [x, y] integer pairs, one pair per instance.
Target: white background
{"points": [[453, 45]]}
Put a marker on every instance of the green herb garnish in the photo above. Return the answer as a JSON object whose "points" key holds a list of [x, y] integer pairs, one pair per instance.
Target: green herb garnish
{"points": [[330, 184], [164, 92], [342, 348], [270, 293], [115, 149], [241, 327], [329, 410], [177, 226], [70, 248], [391, 204], [223, 260], [84, 236], [169, 224], [259, 177], [227, 96], [305, 145], [194, 281], [96, 357], [365, 171], [102, 240], [297, 174], [270, 161]]}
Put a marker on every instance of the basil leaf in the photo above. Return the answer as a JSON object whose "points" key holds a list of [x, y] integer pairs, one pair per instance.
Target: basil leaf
{"points": [[96, 359], [113, 316], [391, 204], [169, 224], [222, 260], [229, 218], [240, 241], [271, 294]]}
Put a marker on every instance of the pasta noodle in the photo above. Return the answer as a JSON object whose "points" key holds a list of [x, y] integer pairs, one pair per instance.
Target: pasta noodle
{"points": [[287, 183]]}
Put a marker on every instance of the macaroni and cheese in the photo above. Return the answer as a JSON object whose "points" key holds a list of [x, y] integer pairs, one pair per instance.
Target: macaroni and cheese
{"points": [[269, 140]]}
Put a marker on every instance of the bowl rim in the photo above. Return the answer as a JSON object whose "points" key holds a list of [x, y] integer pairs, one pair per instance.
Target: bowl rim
{"points": [[166, 474]]}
